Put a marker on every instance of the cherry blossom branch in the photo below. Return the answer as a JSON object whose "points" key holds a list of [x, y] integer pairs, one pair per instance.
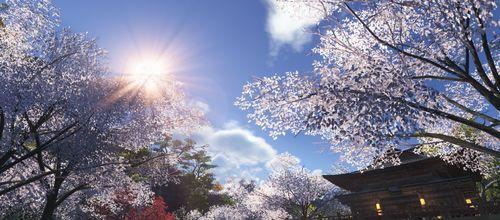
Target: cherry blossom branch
{"points": [[33, 131], [2, 123], [493, 99], [494, 122], [437, 112], [486, 47], [55, 61], [132, 163], [26, 182], [426, 60], [39, 149], [455, 118], [6, 156], [479, 66], [80, 187], [439, 78], [458, 142]]}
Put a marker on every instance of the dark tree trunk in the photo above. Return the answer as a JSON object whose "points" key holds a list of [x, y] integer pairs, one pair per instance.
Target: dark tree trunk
{"points": [[50, 206], [304, 213], [52, 195]]}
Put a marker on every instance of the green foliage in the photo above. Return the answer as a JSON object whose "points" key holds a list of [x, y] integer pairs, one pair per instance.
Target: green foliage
{"points": [[193, 192], [468, 133], [30, 145], [136, 177], [492, 193], [197, 186], [142, 153], [462, 132]]}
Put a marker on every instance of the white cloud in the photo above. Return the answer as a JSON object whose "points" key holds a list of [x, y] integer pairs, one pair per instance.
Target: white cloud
{"points": [[287, 23], [236, 150]]}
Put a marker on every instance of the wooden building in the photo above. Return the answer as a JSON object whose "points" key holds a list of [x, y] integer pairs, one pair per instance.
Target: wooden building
{"points": [[419, 188]]}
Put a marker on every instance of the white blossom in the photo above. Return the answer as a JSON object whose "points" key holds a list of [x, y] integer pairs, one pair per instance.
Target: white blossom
{"points": [[65, 118], [391, 73]]}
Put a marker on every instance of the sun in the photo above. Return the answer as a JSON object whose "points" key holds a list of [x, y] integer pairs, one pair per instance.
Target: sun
{"points": [[150, 80], [148, 75]]}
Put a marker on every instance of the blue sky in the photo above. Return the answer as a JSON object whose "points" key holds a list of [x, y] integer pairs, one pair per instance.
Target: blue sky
{"points": [[216, 47]]}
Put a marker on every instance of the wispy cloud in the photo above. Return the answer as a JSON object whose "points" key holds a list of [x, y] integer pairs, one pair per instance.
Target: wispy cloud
{"points": [[287, 23]]}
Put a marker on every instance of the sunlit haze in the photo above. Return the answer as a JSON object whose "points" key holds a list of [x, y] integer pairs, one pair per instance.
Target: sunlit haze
{"points": [[148, 74]]}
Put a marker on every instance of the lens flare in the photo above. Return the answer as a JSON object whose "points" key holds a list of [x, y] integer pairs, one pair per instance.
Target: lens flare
{"points": [[148, 76]]}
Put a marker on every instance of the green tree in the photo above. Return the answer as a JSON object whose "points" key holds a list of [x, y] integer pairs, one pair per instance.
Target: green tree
{"points": [[196, 188], [489, 189]]}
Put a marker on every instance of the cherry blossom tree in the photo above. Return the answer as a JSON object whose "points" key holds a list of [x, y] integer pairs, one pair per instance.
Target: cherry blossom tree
{"points": [[250, 207], [65, 120], [247, 203], [297, 191], [391, 73], [291, 192]]}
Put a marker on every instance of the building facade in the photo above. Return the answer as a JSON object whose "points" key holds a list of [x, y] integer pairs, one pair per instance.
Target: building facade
{"points": [[419, 188]]}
